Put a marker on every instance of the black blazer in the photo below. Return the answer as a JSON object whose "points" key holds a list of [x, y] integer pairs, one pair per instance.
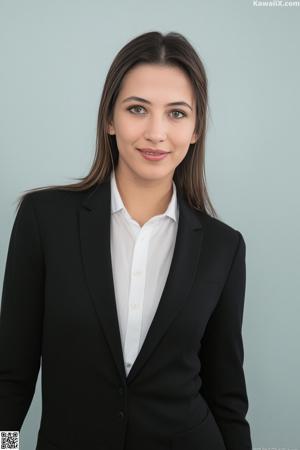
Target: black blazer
{"points": [[186, 389]]}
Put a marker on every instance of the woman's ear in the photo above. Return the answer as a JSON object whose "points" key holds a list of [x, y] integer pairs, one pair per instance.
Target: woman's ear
{"points": [[194, 138], [110, 128]]}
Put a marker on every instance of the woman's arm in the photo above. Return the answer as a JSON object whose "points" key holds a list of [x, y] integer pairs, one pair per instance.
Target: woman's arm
{"points": [[21, 318], [222, 356]]}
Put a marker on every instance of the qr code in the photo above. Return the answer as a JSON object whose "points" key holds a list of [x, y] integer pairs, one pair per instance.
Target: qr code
{"points": [[10, 439]]}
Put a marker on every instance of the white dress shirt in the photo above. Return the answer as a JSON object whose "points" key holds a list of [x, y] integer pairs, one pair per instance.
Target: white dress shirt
{"points": [[141, 259]]}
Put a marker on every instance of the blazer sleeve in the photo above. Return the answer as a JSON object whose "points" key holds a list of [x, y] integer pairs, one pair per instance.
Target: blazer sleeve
{"points": [[21, 318], [222, 355]]}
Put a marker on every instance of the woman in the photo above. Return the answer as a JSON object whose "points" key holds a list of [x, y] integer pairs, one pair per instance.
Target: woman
{"points": [[126, 283]]}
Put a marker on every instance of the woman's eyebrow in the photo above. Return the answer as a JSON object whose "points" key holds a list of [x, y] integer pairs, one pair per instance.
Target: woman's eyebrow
{"points": [[140, 99]]}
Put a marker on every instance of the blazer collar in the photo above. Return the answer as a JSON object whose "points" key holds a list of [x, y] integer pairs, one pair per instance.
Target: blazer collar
{"points": [[99, 197], [94, 223]]}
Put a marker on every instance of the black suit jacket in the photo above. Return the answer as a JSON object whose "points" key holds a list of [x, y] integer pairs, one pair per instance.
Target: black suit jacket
{"points": [[186, 389]]}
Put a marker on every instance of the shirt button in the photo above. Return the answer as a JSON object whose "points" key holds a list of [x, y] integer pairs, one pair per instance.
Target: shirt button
{"points": [[128, 364], [135, 306], [137, 272]]}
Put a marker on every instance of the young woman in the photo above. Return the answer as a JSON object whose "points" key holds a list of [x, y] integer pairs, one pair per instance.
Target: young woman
{"points": [[126, 283]]}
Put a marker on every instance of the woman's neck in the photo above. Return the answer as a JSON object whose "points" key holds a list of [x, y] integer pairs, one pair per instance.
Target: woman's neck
{"points": [[143, 199]]}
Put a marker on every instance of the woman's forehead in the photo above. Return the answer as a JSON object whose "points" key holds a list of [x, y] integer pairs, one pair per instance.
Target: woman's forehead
{"points": [[157, 83]]}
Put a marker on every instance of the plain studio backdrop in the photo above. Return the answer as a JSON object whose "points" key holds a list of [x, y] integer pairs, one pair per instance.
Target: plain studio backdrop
{"points": [[54, 58]]}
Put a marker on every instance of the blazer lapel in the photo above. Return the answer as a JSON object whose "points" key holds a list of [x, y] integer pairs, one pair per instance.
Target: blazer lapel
{"points": [[95, 246]]}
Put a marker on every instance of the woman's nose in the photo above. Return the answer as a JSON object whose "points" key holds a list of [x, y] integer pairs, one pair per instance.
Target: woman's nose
{"points": [[155, 129]]}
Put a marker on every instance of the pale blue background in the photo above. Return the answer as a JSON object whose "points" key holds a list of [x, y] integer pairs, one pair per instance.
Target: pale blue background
{"points": [[54, 57]]}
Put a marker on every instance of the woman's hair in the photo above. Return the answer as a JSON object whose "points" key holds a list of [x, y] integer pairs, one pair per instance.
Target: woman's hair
{"points": [[171, 49]]}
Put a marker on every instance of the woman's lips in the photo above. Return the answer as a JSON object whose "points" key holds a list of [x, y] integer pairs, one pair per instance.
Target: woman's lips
{"points": [[153, 157], [154, 151]]}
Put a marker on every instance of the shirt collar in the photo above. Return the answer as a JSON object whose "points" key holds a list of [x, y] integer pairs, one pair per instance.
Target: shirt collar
{"points": [[117, 202]]}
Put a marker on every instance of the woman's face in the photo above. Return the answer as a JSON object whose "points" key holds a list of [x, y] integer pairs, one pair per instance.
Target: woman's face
{"points": [[149, 122]]}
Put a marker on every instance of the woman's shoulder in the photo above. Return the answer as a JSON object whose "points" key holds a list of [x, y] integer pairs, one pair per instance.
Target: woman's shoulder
{"points": [[52, 201], [220, 230], [56, 196]]}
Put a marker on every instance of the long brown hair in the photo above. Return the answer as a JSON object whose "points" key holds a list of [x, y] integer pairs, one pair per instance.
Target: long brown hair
{"points": [[171, 49]]}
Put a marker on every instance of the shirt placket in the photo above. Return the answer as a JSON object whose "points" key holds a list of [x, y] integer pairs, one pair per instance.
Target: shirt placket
{"points": [[136, 296]]}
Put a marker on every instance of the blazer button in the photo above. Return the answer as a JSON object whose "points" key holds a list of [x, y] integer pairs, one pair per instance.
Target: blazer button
{"points": [[121, 391], [121, 414]]}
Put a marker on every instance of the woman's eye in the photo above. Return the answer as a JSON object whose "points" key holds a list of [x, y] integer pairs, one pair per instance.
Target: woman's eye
{"points": [[180, 112], [137, 108]]}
